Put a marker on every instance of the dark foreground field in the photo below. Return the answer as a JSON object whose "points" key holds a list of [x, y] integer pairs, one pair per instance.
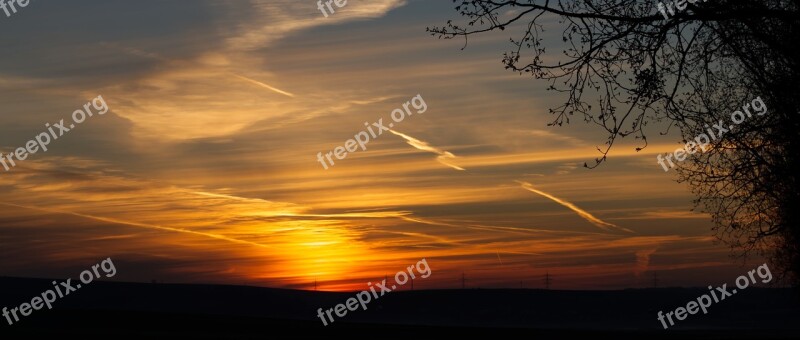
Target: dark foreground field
{"points": [[172, 311]]}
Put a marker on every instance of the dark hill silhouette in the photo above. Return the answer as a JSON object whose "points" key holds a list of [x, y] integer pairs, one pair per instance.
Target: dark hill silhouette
{"points": [[141, 310]]}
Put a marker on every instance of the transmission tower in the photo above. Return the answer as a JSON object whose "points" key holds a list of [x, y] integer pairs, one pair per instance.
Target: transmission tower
{"points": [[547, 280]]}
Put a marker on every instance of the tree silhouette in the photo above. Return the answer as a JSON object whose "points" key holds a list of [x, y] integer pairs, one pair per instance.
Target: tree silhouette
{"points": [[626, 64]]}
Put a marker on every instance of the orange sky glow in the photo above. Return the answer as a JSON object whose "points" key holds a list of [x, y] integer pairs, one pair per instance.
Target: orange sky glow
{"points": [[205, 171]]}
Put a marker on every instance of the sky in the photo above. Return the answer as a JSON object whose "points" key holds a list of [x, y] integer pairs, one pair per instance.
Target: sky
{"points": [[205, 167]]}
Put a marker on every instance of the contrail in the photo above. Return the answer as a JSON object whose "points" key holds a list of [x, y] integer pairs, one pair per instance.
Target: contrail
{"points": [[141, 225], [424, 146], [582, 213], [149, 55], [258, 83]]}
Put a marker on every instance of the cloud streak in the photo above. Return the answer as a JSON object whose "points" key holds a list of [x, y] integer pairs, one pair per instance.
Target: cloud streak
{"points": [[141, 225], [258, 83], [582, 213], [424, 146]]}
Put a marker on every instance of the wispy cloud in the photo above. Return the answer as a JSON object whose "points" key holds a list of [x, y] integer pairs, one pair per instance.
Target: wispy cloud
{"points": [[424, 146], [582, 213], [278, 19]]}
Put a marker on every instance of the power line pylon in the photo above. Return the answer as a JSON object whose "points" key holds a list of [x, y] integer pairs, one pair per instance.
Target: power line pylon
{"points": [[547, 280]]}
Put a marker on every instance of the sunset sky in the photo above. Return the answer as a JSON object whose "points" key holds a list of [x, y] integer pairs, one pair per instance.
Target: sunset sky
{"points": [[205, 168]]}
